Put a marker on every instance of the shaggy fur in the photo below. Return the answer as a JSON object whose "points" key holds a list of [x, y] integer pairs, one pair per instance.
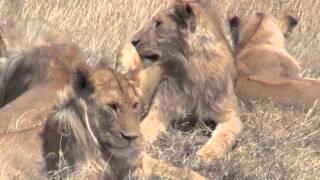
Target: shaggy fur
{"points": [[91, 130], [106, 132], [94, 125], [93, 140], [108, 125], [27, 60], [196, 75], [265, 68], [36, 59]]}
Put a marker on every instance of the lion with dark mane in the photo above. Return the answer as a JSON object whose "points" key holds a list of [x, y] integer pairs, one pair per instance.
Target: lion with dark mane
{"points": [[188, 71]]}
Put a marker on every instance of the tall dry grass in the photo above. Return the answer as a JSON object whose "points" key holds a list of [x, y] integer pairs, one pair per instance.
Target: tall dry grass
{"points": [[277, 142]]}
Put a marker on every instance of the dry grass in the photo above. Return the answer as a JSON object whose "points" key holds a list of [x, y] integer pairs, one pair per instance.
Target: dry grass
{"points": [[277, 143]]}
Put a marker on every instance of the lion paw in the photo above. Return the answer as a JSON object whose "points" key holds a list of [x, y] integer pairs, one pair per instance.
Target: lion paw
{"points": [[207, 156]]}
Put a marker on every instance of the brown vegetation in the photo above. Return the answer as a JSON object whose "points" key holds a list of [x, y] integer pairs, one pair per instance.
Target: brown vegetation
{"points": [[277, 142]]}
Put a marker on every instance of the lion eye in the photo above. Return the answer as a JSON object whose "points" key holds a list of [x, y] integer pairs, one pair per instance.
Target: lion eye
{"points": [[114, 107], [135, 105], [157, 23]]}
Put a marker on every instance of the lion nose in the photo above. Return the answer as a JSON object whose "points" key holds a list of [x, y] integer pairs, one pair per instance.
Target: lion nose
{"points": [[135, 42], [131, 136]]}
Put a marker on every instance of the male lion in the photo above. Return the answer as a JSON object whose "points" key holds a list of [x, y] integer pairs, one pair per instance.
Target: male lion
{"points": [[92, 124], [265, 68], [90, 129], [184, 50], [20, 72]]}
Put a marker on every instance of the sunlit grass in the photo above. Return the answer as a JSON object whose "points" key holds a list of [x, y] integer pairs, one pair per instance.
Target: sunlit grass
{"points": [[277, 143]]}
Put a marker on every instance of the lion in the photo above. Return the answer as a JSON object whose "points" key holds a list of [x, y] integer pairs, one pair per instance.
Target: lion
{"points": [[188, 66], [18, 73], [260, 45], [92, 123], [265, 68], [85, 123]]}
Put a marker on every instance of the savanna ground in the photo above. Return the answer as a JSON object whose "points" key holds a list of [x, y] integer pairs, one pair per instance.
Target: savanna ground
{"points": [[277, 142]]}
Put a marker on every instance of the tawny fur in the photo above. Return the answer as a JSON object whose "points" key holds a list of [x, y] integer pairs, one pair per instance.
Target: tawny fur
{"points": [[93, 111], [260, 46], [265, 68], [302, 92], [31, 53], [192, 63], [53, 66]]}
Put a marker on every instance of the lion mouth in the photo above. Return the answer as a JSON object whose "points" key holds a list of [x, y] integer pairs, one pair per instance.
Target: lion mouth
{"points": [[152, 56], [149, 58]]}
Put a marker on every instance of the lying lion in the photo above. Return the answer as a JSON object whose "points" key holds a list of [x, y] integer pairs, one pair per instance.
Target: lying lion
{"points": [[72, 119], [187, 70], [265, 68]]}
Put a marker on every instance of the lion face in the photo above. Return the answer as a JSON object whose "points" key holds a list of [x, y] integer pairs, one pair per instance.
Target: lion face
{"points": [[261, 28], [113, 105], [103, 104], [165, 33]]}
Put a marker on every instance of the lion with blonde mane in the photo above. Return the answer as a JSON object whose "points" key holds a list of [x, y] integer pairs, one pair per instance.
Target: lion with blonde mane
{"points": [[67, 119], [188, 70]]}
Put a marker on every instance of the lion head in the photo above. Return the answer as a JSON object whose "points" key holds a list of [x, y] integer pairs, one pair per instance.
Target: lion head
{"points": [[95, 117], [259, 25], [165, 33]]}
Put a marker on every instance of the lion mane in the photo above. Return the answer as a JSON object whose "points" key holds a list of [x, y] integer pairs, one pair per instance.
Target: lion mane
{"points": [[189, 69], [67, 133]]}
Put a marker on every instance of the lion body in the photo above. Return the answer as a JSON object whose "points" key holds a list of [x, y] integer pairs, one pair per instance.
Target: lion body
{"points": [[265, 68], [266, 60], [68, 119], [261, 48], [32, 78], [281, 90], [16, 161], [30, 56], [196, 75]]}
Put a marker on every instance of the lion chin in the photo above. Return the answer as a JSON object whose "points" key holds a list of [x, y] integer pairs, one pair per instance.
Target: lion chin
{"points": [[124, 152]]}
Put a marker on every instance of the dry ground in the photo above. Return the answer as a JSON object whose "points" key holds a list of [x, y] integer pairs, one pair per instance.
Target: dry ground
{"points": [[277, 143]]}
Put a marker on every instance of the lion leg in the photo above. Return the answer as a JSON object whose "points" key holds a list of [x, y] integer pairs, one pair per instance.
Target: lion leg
{"points": [[227, 130], [154, 123], [151, 165]]}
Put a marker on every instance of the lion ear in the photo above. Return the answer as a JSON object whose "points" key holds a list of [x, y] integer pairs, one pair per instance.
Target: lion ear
{"points": [[185, 15], [234, 24], [130, 65], [81, 79], [104, 62], [128, 61], [288, 22]]}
